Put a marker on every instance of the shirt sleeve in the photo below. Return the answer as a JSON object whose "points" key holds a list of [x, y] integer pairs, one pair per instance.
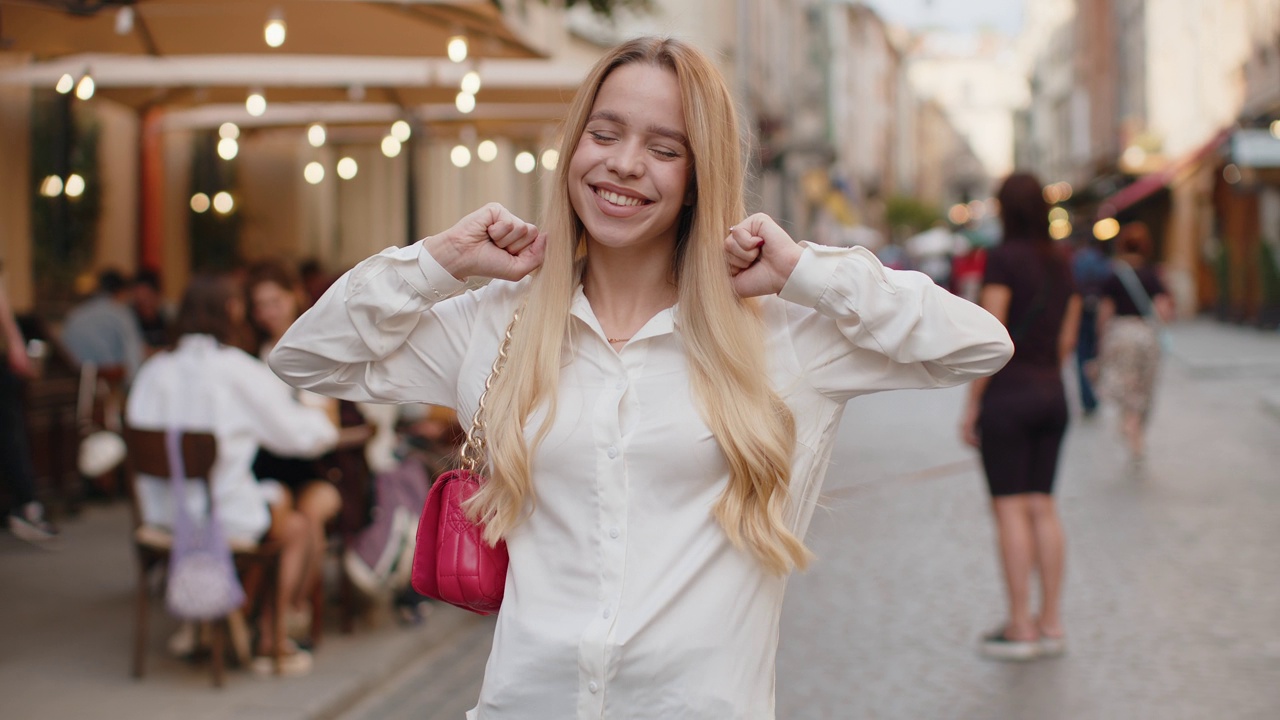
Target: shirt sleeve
{"points": [[389, 330], [281, 423], [872, 328]]}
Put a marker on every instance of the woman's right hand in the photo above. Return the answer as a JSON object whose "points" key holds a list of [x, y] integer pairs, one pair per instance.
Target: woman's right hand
{"points": [[490, 242]]}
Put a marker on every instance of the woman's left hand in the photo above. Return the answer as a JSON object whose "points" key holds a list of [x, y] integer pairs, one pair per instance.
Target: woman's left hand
{"points": [[761, 256]]}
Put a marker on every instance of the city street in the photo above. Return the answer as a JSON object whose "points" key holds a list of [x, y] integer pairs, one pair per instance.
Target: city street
{"points": [[1172, 598]]}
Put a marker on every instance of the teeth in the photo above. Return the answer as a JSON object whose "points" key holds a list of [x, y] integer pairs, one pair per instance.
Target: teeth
{"points": [[617, 199]]}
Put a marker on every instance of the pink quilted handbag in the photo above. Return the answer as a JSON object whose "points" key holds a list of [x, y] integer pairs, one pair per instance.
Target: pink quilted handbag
{"points": [[451, 561]]}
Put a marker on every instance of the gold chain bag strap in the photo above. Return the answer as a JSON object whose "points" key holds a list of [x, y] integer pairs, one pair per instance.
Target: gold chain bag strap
{"points": [[451, 561]]}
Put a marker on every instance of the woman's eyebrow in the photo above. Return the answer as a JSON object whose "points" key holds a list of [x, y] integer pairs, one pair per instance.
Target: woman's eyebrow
{"points": [[662, 130]]}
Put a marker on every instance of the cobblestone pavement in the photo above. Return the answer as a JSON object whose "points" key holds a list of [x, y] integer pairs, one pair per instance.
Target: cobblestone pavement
{"points": [[1172, 594]]}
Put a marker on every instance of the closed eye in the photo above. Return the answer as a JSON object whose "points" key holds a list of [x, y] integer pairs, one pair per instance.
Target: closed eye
{"points": [[601, 137]]}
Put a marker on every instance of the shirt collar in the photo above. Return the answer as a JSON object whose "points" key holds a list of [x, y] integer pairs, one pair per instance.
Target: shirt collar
{"points": [[663, 323]]}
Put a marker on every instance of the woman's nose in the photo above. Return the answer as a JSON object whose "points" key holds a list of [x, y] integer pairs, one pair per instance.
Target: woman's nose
{"points": [[627, 160]]}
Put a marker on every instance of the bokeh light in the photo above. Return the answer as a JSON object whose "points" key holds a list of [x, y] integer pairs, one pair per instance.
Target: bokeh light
{"points": [[487, 150]]}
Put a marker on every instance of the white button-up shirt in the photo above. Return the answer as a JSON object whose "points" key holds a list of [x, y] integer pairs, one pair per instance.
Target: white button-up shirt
{"points": [[624, 597]]}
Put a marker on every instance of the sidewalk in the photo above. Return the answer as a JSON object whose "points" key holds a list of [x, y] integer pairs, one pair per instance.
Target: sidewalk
{"points": [[68, 631], [1209, 349]]}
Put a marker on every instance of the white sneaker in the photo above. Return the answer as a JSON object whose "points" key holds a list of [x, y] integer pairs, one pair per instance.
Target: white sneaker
{"points": [[293, 662], [28, 524]]}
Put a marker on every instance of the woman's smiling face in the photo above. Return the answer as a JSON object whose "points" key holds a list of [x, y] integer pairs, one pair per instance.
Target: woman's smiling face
{"points": [[629, 176]]}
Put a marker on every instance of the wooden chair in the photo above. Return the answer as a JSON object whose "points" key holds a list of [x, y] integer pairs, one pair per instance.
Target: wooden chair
{"points": [[147, 456]]}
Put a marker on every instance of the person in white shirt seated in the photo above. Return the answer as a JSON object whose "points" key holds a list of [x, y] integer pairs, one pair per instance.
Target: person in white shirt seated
{"points": [[203, 385], [659, 434]]}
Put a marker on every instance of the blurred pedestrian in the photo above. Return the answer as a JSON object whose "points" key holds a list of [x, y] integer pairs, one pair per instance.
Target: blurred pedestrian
{"points": [[1091, 269], [1134, 301], [1017, 418], [26, 515], [660, 429]]}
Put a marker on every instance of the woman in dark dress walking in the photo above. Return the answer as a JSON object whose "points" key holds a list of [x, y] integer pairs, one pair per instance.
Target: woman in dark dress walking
{"points": [[1017, 417]]}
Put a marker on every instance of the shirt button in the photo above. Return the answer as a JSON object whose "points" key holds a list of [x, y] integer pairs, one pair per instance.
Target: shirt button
{"points": [[593, 687], [613, 533], [613, 452]]}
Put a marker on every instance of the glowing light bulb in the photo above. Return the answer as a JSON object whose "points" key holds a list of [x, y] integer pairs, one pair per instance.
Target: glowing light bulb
{"points": [[228, 148], [75, 185], [457, 48], [256, 104], [200, 203], [347, 168], [465, 102], [66, 84], [390, 146], [228, 130], [487, 151], [550, 158], [223, 203], [51, 186], [460, 156], [316, 135], [85, 88], [471, 82], [274, 31], [400, 130], [525, 163], [313, 173]]}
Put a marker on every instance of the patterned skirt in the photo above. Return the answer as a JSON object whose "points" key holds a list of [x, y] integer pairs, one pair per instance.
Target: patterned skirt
{"points": [[1128, 364]]}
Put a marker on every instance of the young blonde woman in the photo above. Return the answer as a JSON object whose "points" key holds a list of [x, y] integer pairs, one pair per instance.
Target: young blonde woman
{"points": [[660, 431]]}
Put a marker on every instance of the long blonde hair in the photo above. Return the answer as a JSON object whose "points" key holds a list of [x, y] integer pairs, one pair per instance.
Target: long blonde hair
{"points": [[722, 333]]}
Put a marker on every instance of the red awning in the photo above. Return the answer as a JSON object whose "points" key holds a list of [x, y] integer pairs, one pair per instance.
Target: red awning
{"points": [[1147, 185]]}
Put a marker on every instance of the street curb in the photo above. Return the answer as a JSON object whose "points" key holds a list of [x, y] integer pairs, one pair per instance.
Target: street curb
{"points": [[393, 667]]}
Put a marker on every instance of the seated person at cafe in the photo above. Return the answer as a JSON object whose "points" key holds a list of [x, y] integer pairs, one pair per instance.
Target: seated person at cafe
{"points": [[204, 385], [103, 330], [275, 299]]}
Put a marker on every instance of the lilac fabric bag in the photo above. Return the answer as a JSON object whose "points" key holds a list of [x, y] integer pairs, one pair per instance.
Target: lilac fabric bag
{"points": [[203, 584]]}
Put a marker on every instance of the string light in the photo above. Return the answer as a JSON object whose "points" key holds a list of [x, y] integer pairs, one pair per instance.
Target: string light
{"points": [[465, 102], [316, 135], [228, 148], [223, 203], [200, 203], [51, 186], [313, 173], [525, 163], [256, 104], [460, 156], [274, 31], [487, 151], [400, 130], [347, 168], [390, 146], [85, 88], [457, 48], [550, 158], [471, 82], [66, 84]]}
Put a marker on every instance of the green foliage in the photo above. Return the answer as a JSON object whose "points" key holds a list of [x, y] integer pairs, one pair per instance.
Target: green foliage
{"points": [[901, 211], [63, 229], [215, 238]]}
